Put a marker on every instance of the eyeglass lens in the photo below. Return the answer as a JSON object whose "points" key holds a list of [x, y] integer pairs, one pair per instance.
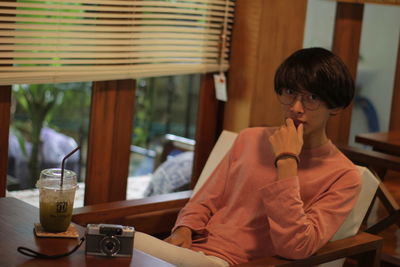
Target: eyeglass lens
{"points": [[309, 101]]}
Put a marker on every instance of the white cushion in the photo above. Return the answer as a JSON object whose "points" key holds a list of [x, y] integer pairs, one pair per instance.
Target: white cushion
{"points": [[224, 143], [353, 221], [172, 175]]}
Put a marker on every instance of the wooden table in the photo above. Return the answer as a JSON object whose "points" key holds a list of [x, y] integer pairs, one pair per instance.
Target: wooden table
{"points": [[389, 144], [16, 229], [386, 142]]}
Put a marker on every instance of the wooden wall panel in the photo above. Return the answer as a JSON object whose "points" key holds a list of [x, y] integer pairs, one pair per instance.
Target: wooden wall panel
{"points": [[346, 44], [109, 141], [279, 37], [5, 109], [265, 33], [243, 64], [395, 111]]}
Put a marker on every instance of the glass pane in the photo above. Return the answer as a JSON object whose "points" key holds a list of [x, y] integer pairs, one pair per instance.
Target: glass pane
{"points": [[376, 70], [163, 135], [377, 62], [47, 122], [320, 22]]}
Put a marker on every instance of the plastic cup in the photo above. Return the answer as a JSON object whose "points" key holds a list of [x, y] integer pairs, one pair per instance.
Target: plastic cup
{"points": [[56, 202]]}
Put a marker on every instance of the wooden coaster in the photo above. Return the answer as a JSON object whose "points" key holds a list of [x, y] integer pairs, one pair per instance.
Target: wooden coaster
{"points": [[70, 233]]}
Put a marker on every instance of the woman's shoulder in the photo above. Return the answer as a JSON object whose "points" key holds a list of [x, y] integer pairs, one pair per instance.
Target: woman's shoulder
{"points": [[257, 131], [348, 167], [253, 138]]}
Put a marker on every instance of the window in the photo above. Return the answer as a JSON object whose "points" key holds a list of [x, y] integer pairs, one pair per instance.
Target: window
{"points": [[376, 70], [75, 41], [166, 112], [48, 121]]}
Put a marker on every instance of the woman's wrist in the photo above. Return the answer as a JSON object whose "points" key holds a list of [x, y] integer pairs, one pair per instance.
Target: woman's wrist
{"points": [[286, 167], [184, 230], [286, 155]]}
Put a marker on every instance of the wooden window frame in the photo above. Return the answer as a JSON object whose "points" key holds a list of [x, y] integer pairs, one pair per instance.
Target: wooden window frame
{"points": [[112, 114], [5, 113]]}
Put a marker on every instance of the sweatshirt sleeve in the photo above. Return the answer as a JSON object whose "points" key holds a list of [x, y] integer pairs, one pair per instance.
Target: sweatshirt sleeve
{"points": [[198, 211], [298, 232]]}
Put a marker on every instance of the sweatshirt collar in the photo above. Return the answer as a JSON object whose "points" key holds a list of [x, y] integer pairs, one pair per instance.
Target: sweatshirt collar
{"points": [[319, 151]]}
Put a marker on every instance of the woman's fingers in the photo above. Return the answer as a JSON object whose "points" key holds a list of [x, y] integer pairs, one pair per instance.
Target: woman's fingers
{"points": [[187, 244], [290, 123], [174, 241], [300, 131], [287, 138], [179, 241]]}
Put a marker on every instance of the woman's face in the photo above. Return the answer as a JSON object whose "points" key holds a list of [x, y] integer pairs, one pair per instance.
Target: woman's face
{"points": [[306, 108]]}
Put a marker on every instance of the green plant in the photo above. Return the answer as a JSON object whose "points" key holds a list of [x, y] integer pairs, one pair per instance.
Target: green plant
{"points": [[143, 110], [36, 101]]}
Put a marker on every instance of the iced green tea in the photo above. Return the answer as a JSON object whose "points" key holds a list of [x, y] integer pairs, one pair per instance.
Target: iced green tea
{"points": [[56, 202], [56, 209]]}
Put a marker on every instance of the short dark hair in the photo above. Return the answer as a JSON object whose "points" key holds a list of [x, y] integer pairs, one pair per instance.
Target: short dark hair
{"points": [[319, 72]]}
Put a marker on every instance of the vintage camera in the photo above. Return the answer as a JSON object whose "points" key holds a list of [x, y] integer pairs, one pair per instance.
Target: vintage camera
{"points": [[110, 240]]}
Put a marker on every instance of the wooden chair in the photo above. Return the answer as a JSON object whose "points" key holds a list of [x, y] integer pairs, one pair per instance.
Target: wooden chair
{"points": [[156, 215], [172, 142], [379, 163]]}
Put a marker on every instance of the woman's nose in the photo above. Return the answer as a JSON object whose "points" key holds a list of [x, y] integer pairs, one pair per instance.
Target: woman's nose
{"points": [[297, 105]]}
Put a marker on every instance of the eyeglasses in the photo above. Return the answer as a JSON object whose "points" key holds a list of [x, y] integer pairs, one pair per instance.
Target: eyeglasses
{"points": [[309, 101]]}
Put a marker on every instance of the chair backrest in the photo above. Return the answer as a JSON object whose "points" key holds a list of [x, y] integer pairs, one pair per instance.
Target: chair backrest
{"points": [[370, 184], [224, 143], [351, 225], [353, 221]]}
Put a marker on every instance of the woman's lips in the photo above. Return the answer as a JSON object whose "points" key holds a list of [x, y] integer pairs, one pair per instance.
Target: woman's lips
{"points": [[297, 122]]}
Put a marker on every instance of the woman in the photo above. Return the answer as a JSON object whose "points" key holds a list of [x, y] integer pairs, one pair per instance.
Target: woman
{"points": [[279, 191]]}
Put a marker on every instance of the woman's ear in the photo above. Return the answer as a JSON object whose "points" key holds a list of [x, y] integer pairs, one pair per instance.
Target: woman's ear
{"points": [[335, 111]]}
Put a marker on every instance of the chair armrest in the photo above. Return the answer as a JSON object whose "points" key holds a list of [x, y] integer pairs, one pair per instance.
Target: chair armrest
{"points": [[152, 215], [370, 158], [379, 163], [366, 248], [170, 143]]}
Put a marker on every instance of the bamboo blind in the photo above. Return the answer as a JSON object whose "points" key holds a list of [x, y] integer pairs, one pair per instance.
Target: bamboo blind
{"points": [[91, 40]]}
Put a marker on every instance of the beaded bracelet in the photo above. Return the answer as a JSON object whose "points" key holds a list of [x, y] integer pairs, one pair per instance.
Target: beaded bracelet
{"points": [[286, 155]]}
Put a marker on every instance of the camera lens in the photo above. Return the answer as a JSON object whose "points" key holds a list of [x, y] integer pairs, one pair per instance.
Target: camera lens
{"points": [[110, 245]]}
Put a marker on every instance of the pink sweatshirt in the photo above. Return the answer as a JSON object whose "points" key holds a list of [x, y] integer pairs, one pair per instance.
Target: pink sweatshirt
{"points": [[243, 212]]}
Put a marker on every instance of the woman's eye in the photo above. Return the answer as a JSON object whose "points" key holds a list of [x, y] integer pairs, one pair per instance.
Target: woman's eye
{"points": [[289, 92], [313, 97]]}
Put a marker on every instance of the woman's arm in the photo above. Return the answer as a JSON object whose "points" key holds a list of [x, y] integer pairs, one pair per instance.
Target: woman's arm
{"points": [[181, 237], [287, 140], [296, 231], [201, 207]]}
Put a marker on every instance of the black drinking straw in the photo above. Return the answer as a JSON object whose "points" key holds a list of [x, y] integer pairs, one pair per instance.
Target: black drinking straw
{"points": [[63, 161]]}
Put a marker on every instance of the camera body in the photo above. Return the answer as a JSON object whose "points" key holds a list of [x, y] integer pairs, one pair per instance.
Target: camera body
{"points": [[110, 240]]}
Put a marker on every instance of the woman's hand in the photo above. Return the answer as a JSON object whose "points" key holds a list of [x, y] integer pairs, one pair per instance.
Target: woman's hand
{"points": [[287, 139], [181, 237]]}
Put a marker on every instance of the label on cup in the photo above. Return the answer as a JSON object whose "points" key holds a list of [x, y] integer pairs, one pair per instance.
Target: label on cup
{"points": [[62, 206]]}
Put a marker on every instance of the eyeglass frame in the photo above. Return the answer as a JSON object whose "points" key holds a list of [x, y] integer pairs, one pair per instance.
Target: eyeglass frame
{"points": [[295, 96]]}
